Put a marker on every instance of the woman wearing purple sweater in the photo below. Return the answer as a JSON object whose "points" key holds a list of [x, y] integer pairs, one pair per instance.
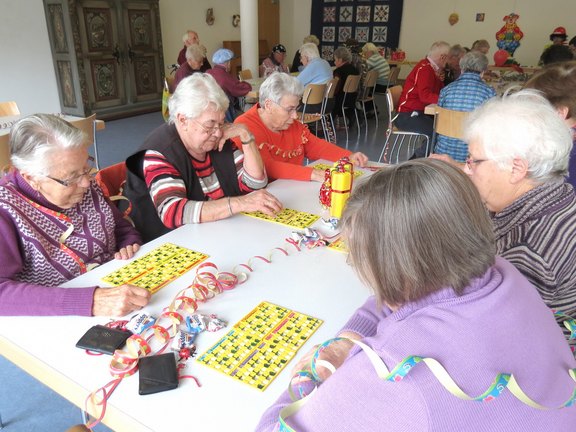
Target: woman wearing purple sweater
{"points": [[56, 224], [419, 236]]}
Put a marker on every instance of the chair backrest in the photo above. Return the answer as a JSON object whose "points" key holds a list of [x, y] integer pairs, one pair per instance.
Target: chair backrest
{"points": [[9, 109], [87, 126], [395, 93], [351, 84], [449, 122], [4, 152], [111, 179], [369, 85], [245, 74], [313, 94], [328, 102], [393, 77]]}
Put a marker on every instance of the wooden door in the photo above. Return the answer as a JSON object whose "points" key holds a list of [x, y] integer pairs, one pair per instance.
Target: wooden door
{"points": [[102, 56], [141, 25], [268, 24]]}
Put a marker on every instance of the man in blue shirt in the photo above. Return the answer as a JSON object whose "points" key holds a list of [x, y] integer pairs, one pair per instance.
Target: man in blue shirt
{"points": [[464, 94], [316, 70]]}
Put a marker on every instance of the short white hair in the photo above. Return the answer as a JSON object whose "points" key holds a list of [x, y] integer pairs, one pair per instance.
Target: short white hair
{"points": [[438, 49], [309, 50], [278, 85], [186, 35], [195, 52], [523, 125], [195, 94]]}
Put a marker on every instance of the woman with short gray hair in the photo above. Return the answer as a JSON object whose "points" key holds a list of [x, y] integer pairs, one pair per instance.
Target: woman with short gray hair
{"points": [[195, 55], [189, 171], [316, 70], [519, 150], [284, 142], [56, 224], [419, 238]]}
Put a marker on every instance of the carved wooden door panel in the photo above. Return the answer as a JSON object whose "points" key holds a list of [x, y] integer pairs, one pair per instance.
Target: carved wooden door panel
{"points": [[142, 38], [103, 58]]}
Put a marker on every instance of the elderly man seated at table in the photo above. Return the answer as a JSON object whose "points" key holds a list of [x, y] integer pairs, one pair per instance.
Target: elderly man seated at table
{"points": [[56, 224], [283, 140], [464, 94], [188, 170], [460, 305], [194, 59], [275, 62], [229, 83], [519, 149], [422, 87], [316, 70]]}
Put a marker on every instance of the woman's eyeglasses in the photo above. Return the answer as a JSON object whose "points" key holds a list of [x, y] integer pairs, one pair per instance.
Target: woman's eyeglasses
{"points": [[471, 163], [289, 111], [90, 172], [210, 130]]}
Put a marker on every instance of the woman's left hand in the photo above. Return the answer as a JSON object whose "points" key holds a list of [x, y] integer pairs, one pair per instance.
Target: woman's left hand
{"points": [[358, 159], [232, 130], [127, 252]]}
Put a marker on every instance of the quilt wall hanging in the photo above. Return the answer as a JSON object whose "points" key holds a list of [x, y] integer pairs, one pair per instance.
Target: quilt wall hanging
{"points": [[336, 21]]}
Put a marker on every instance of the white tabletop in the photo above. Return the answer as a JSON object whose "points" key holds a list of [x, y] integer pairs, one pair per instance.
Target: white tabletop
{"points": [[317, 282]]}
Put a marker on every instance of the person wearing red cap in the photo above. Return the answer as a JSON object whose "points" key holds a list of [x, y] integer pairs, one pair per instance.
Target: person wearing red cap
{"points": [[557, 37]]}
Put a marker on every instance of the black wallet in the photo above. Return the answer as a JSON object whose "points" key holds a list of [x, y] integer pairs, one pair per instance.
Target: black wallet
{"points": [[157, 373], [103, 339]]}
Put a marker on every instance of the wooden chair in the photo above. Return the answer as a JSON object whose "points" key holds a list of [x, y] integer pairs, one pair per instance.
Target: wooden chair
{"points": [[9, 109], [393, 77], [449, 123], [395, 92], [4, 153], [312, 100], [327, 108], [245, 74], [88, 126], [367, 95], [397, 140], [350, 88]]}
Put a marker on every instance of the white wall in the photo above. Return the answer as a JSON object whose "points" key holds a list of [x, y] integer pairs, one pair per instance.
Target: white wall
{"points": [[27, 72]]}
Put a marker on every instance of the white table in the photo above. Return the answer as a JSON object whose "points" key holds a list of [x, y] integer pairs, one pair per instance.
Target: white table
{"points": [[317, 282]]}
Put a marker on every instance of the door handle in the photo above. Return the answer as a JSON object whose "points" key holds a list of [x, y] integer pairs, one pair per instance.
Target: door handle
{"points": [[116, 53]]}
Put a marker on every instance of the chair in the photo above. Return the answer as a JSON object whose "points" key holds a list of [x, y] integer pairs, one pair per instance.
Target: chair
{"points": [[312, 100], [368, 95], [396, 92], [88, 126], [396, 139], [111, 179], [9, 109], [449, 123], [245, 74], [4, 153], [393, 77], [327, 108], [350, 88]]}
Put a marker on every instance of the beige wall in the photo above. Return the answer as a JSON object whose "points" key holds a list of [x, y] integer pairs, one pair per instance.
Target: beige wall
{"points": [[27, 72]]}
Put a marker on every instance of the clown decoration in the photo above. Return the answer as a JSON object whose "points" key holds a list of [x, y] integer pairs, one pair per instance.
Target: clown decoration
{"points": [[508, 37]]}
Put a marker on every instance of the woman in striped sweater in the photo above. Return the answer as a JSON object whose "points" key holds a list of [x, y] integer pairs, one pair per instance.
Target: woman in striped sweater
{"points": [[519, 150], [189, 171]]}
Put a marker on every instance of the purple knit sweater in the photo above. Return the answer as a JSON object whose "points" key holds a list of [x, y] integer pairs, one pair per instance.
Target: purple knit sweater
{"points": [[33, 265], [500, 324]]}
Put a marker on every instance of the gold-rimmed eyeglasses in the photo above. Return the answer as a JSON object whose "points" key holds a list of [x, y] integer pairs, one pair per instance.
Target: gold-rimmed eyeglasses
{"points": [[89, 171]]}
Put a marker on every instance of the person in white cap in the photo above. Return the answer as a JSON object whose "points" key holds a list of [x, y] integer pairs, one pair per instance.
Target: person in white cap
{"points": [[229, 83]]}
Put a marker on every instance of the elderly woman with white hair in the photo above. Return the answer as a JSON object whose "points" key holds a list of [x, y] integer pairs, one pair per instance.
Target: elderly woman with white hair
{"points": [[316, 70], [195, 56], [189, 171], [56, 224], [283, 140], [519, 149]]}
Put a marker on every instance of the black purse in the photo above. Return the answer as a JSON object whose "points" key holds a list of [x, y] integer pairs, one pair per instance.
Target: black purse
{"points": [[103, 339], [157, 373]]}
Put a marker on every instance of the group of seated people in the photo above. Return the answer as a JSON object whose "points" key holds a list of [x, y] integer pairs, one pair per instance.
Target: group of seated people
{"points": [[466, 256]]}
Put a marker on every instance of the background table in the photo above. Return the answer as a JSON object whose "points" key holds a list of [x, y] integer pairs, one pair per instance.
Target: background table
{"points": [[316, 282]]}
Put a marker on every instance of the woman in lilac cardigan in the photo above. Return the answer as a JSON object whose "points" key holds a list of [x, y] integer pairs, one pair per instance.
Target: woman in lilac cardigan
{"points": [[56, 224], [419, 236]]}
